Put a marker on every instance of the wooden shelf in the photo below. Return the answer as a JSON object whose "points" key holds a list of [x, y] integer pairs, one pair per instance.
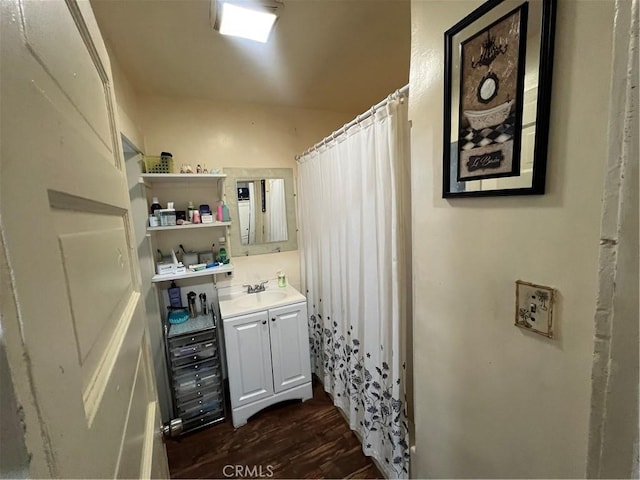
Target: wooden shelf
{"points": [[149, 178], [200, 273], [188, 226]]}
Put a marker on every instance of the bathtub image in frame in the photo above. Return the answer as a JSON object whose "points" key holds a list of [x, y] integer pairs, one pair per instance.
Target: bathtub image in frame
{"points": [[492, 64]]}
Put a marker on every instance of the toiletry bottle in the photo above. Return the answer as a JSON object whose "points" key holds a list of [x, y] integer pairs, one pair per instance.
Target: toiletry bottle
{"points": [[225, 213], [219, 212], [175, 298], [190, 211], [155, 205], [196, 216], [282, 280], [191, 302]]}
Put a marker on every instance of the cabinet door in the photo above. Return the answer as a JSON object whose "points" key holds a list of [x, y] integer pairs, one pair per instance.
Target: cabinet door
{"points": [[289, 346], [248, 358]]}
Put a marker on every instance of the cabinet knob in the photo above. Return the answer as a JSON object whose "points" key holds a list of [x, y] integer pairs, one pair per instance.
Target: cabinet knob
{"points": [[273, 319], [264, 322]]}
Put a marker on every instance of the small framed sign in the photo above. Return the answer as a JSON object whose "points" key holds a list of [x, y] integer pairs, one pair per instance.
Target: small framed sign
{"points": [[534, 308]]}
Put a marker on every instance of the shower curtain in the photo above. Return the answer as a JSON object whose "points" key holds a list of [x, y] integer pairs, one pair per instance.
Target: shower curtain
{"points": [[276, 211], [353, 215]]}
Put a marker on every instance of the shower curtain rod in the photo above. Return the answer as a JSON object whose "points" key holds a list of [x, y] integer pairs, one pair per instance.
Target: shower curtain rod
{"points": [[355, 121]]}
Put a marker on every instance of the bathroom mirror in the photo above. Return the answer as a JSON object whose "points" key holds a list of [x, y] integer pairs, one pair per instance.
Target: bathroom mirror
{"points": [[262, 211], [498, 65], [261, 203]]}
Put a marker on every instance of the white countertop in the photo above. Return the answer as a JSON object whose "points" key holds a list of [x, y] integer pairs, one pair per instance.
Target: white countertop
{"points": [[236, 301]]}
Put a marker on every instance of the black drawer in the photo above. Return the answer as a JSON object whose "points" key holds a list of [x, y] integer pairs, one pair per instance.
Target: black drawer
{"points": [[201, 391], [197, 368], [197, 409], [187, 385], [193, 423], [191, 349], [208, 400], [196, 379], [203, 354], [183, 340]]}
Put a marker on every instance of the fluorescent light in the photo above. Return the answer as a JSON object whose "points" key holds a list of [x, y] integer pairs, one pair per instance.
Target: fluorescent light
{"points": [[246, 23]]}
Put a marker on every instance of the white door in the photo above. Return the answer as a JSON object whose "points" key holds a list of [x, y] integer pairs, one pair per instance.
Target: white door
{"points": [[289, 346], [71, 308], [248, 358]]}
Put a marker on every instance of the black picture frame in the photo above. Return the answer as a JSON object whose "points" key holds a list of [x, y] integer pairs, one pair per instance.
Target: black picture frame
{"points": [[467, 142]]}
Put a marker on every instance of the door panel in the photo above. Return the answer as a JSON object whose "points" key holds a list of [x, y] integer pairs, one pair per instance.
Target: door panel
{"points": [[289, 346], [64, 219], [79, 74], [248, 358], [89, 243], [142, 443], [133, 442]]}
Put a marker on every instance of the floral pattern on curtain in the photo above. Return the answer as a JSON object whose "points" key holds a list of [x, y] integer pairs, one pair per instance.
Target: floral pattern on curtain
{"points": [[353, 273]]}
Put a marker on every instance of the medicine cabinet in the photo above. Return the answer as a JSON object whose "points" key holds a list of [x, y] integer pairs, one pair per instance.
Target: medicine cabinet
{"points": [[262, 201]]}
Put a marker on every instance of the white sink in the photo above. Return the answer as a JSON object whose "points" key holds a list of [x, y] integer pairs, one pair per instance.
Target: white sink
{"points": [[261, 298], [235, 301]]}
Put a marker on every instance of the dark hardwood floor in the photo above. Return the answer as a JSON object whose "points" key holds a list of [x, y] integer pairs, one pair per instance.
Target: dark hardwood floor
{"points": [[289, 440]]}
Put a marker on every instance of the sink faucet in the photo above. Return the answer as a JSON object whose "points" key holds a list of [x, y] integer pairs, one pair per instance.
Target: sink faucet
{"points": [[258, 287]]}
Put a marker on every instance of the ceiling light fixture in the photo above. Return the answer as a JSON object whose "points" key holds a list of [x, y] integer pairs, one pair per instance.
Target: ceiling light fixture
{"points": [[251, 19]]}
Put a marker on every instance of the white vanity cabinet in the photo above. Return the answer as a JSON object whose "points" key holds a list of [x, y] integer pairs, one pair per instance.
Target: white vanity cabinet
{"points": [[267, 358]]}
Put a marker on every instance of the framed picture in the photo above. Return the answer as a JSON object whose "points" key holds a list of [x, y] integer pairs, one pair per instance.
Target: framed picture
{"points": [[498, 65]]}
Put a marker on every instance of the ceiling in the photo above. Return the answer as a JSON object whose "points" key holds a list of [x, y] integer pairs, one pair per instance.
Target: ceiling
{"points": [[341, 55]]}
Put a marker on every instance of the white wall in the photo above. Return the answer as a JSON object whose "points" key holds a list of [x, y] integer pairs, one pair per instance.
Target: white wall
{"points": [[129, 124], [613, 440], [492, 400], [222, 135], [127, 100]]}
